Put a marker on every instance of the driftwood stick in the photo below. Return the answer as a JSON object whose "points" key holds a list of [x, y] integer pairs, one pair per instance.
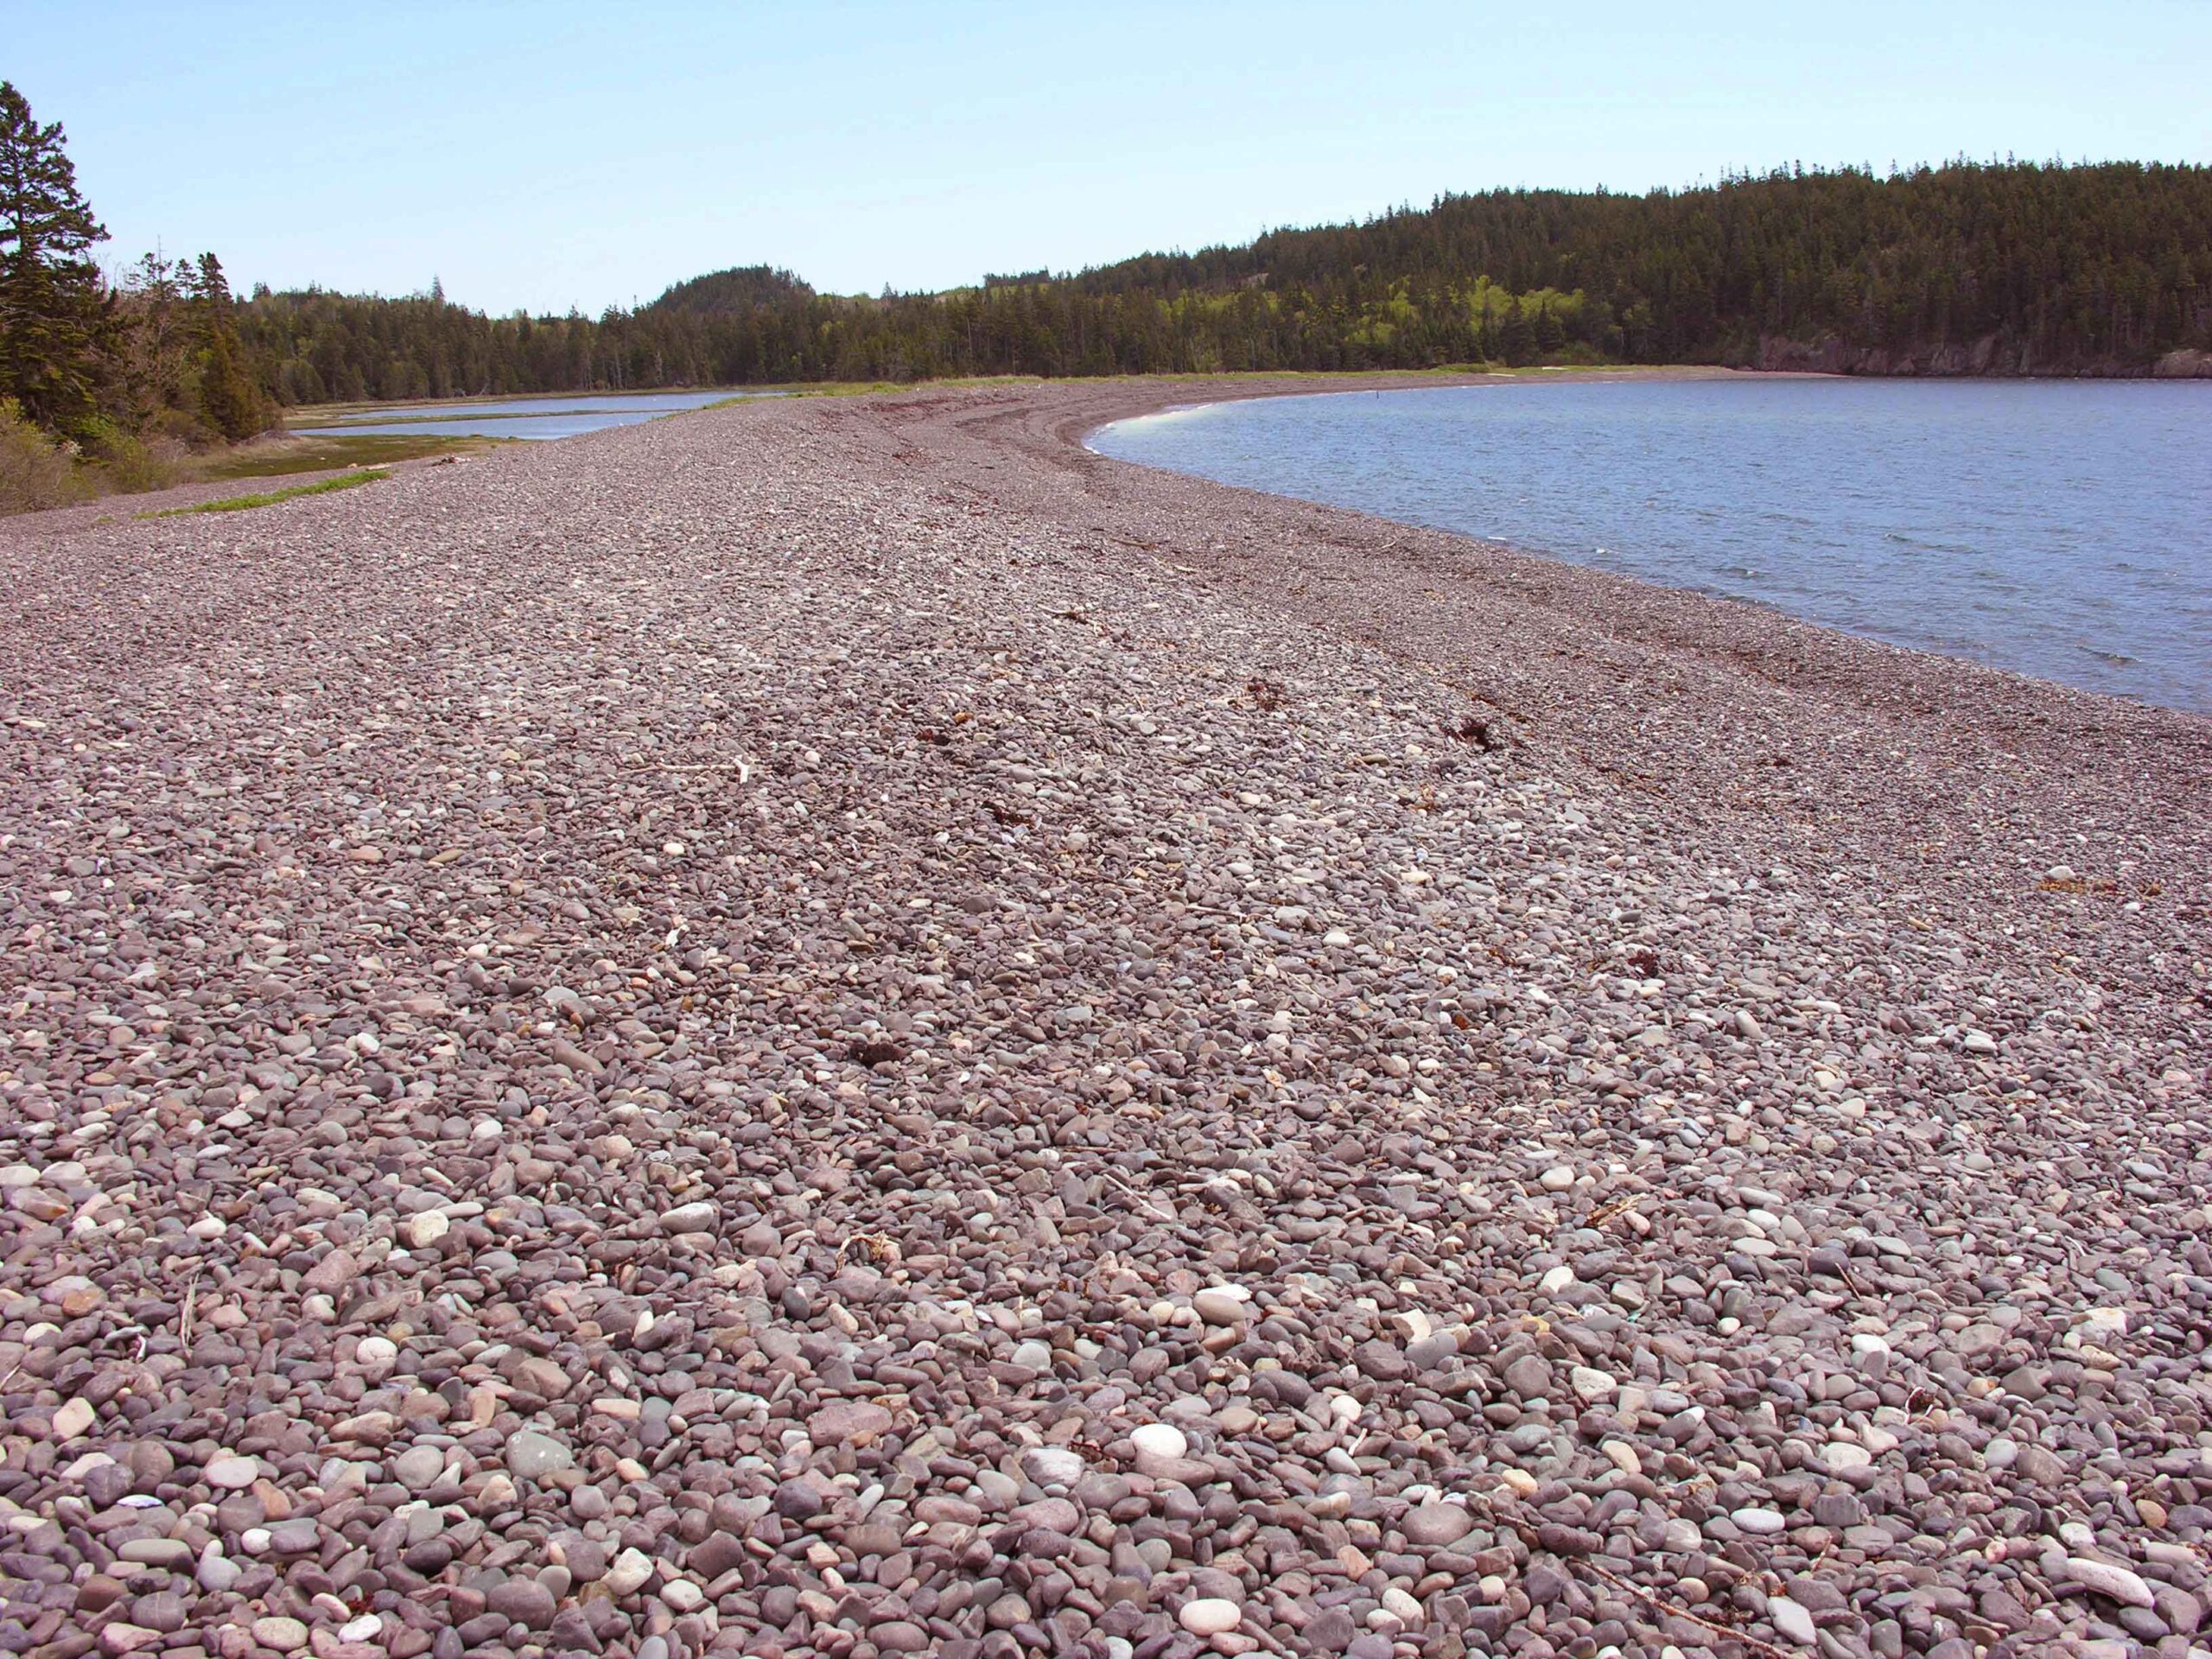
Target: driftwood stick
{"points": [[1668, 1607]]}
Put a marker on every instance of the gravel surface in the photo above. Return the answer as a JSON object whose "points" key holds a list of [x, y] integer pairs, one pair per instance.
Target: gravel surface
{"points": [[836, 1027]]}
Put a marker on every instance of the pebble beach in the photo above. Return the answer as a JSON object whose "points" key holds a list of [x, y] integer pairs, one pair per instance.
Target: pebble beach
{"points": [[838, 1027]]}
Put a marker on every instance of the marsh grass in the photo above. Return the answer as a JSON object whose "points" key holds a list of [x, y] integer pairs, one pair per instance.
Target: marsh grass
{"points": [[289, 456]]}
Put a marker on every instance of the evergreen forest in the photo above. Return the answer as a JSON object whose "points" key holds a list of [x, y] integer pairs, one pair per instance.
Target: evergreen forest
{"points": [[2010, 268]]}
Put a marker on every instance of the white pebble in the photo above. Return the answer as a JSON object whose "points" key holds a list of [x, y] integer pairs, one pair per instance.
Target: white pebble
{"points": [[1591, 1384], [1162, 1440], [630, 1572], [1211, 1616], [1052, 1465], [2114, 1583]]}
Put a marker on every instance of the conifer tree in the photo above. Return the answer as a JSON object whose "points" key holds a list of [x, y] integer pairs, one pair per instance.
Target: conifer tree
{"points": [[2101, 268], [229, 400], [54, 311], [1517, 336], [1547, 333]]}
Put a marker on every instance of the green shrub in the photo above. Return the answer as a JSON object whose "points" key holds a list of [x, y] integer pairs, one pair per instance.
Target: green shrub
{"points": [[35, 471], [183, 429], [126, 463]]}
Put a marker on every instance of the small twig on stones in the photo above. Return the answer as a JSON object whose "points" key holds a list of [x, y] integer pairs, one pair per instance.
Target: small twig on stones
{"points": [[184, 1315], [1606, 1212], [1164, 1214], [1670, 1609], [880, 1249]]}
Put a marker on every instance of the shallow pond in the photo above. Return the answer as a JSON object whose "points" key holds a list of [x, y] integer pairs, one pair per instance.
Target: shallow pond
{"points": [[523, 417]]}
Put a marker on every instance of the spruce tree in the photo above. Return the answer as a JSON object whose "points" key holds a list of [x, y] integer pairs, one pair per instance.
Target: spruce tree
{"points": [[1546, 333], [54, 311], [1517, 336], [230, 401]]}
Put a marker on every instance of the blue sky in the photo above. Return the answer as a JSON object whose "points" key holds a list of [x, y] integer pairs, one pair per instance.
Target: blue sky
{"points": [[555, 155]]}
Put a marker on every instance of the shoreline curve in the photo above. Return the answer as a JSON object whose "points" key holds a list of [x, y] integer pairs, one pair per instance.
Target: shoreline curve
{"points": [[2202, 708]]}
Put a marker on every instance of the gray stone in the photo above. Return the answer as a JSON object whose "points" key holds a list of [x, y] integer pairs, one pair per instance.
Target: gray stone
{"points": [[417, 1468], [1430, 1526], [1793, 1622], [532, 1454]]}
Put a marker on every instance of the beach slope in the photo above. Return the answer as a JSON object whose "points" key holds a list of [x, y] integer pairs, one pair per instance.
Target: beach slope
{"points": [[838, 1027]]}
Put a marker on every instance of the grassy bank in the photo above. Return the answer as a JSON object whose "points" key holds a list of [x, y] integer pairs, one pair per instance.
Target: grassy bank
{"points": [[39, 472], [270, 497]]}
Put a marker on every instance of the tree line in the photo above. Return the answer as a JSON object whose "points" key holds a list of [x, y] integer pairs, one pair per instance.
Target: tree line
{"points": [[317, 347], [107, 364], [2065, 268], [2011, 267], [2016, 267]]}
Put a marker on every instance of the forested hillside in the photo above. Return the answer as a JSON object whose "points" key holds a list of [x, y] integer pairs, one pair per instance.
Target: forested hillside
{"points": [[2008, 269], [2059, 268]]}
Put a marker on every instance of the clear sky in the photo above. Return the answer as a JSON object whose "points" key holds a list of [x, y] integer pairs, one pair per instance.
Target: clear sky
{"points": [[554, 154]]}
